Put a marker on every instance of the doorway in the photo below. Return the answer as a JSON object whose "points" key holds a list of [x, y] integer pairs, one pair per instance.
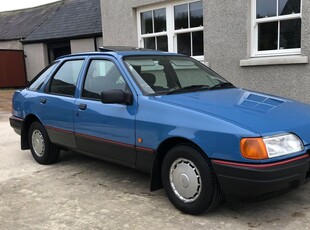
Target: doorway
{"points": [[58, 49]]}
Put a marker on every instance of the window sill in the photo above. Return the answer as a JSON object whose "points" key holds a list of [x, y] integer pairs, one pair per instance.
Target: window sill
{"points": [[280, 60]]}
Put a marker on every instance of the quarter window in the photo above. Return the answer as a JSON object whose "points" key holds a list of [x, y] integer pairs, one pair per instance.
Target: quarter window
{"points": [[102, 75], [39, 80], [64, 81], [176, 27], [276, 27]]}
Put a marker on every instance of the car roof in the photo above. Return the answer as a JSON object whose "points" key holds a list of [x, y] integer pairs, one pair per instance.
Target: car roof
{"points": [[122, 51]]}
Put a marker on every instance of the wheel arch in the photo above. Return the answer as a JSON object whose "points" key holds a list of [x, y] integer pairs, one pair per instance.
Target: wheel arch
{"points": [[162, 150], [30, 118]]}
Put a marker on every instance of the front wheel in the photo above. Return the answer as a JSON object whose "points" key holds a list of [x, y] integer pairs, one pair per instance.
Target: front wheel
{"points": [[189, 180], [43, 151]]}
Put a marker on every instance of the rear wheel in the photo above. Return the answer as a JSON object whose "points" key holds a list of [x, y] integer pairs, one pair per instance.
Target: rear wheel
{"points": [[189, 180], [43, 151]]}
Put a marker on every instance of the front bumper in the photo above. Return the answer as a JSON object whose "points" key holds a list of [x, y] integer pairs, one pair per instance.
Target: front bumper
{"points": [[256, 180], [17, 124]]}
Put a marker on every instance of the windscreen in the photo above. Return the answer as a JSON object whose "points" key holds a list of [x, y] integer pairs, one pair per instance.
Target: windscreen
{"points": [[166, 74]]}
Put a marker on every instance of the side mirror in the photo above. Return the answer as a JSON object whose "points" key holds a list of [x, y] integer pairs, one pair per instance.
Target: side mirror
{"points": [[116, 96]]}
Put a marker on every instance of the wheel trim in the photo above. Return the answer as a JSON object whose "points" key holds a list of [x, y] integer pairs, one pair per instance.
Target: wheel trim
{"points": [[38, 143], [185, 180]]}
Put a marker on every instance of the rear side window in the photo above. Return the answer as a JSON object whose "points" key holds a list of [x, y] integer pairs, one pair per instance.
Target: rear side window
{"points": [[64, 81], [39, 80]]}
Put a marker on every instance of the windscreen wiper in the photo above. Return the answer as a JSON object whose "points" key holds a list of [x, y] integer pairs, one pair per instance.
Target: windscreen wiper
{"points": [[188, 88], [222, 85]]}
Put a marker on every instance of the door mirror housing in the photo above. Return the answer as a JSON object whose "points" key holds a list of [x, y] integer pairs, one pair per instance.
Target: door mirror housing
{"points": [[116, 96]]}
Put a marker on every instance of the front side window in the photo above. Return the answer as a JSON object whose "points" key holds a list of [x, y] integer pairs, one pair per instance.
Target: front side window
{"points": [[276, 27], [176, 27], [64, 81], [102, 75]]}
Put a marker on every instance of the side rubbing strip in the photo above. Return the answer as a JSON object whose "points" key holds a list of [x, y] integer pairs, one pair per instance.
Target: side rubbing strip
{"points": [[59, 130], [104, 140], [221, 162], [138, 148], [144, 149]]}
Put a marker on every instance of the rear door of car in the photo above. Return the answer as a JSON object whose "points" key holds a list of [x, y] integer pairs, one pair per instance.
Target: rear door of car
{"points": [[57, 103], [105, 131]]}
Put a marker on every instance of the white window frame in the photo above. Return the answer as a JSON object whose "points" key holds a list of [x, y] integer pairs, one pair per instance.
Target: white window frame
{"points": [[254, 32], [170, 32], [150, 35]]}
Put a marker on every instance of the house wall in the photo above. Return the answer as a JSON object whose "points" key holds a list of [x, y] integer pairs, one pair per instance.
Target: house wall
{"points": [[119, 24], [85, 45], [226, 42], [11, 45], [99, 41], [36, 58]]}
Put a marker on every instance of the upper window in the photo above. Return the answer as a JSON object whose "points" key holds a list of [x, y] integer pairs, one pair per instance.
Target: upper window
{"points": [[154, 29], [64, 81], [102, 75], [176, 27], [276, 27]]}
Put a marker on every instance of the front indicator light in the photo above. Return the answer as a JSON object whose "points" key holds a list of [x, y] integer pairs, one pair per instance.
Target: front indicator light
{"points": [[253, 148]]}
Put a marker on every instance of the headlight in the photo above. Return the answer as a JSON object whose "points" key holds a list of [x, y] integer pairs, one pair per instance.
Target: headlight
{"points": [[268, 147], [282, 145]]}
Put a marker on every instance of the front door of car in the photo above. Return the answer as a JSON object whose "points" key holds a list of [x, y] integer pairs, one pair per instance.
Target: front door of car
{"points": [[57, 103], [105, 130]]}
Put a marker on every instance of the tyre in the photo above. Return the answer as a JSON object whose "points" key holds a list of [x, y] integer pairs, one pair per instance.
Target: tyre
{"points": [[189, 181], [43, 151]]}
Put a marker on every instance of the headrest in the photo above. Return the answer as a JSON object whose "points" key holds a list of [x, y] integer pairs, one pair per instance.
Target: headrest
{"points": [[149, 78]]}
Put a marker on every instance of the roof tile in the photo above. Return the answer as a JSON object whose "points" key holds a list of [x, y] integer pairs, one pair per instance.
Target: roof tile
{"points": [[19, 24], [74, 18], [63, 19]]}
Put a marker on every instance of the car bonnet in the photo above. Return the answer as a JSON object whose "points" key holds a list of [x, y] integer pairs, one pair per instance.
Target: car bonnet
{"points": [[262, 113]]}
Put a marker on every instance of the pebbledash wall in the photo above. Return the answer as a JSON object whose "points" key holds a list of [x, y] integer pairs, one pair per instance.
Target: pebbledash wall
{"points": [[36, 54], [229, 38]]}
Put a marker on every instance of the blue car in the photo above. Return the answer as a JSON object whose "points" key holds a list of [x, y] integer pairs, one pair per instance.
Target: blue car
{"points": [[199, 136]]}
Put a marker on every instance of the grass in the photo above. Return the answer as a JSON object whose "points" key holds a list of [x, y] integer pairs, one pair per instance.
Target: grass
{"points": [[6, 100]]}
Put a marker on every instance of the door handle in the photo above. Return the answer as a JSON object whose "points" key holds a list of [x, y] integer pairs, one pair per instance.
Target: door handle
{"points": [[82, 106], [43, 100]]}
